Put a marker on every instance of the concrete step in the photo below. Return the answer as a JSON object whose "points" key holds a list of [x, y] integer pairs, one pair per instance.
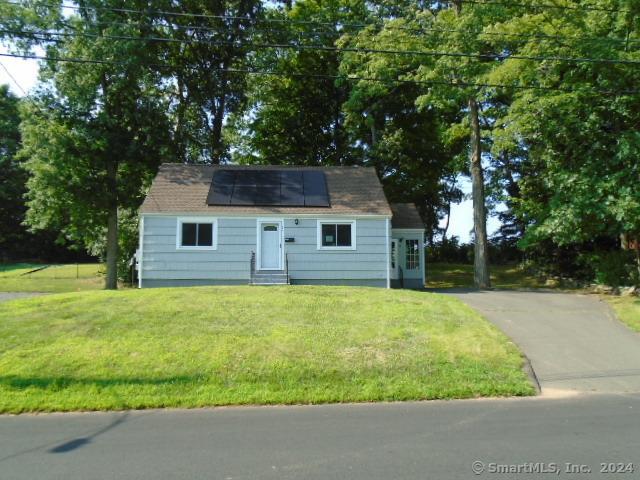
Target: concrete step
{"points": [[269, 278]]}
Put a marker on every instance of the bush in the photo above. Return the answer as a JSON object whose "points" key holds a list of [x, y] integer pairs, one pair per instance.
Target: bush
{"points": [[615, 268], [127, 243]]}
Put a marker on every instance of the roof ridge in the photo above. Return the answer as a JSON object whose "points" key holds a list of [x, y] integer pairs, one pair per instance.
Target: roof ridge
{"points": [[261, 166]]}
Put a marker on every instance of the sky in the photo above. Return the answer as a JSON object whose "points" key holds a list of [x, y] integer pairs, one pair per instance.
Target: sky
{"points": [[25, 77]]}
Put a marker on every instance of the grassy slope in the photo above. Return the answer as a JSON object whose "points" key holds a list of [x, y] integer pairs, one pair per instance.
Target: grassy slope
{"points": [[452, 275], [627, 310], [56, 278], [247, 345]]}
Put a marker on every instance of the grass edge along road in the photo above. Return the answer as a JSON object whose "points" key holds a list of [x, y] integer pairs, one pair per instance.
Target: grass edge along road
{"points": [[627, 310]]}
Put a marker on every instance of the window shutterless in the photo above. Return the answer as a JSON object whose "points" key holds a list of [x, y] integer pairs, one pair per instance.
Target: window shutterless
{"points": [[197, 234], [336, 235]]}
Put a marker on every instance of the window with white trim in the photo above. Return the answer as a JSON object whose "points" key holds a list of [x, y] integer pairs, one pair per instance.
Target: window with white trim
{"points": [[336, 235], [197, 234], [413, 254]]}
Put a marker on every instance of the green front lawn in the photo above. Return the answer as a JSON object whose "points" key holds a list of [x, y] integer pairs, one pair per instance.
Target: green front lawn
{"points": [[193, 347], [628, 310], [458, 275], [16, 277]]}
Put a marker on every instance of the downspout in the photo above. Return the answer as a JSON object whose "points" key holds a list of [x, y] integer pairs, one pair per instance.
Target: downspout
{"points": [[423, 260], [140, 243], [388, 253]]}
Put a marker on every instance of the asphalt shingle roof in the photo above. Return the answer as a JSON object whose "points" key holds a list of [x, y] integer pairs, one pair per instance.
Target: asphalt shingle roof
{"points": [[180, 188], [405, 215]]}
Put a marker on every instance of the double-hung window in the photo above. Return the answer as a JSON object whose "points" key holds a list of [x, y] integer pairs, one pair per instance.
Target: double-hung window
{"points": [[197, 234], [336, 235]]}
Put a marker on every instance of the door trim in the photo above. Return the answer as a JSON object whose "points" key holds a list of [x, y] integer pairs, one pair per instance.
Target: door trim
{"points": [[394, 256], [259, 223]]}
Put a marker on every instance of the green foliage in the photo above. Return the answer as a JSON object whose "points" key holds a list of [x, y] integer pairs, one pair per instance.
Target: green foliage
{"points": [[562, 156], [579, 173], [614, 268], [128, 241], [95, 133], [292, 117], [195, 347], [12, 177], [16, 241]]}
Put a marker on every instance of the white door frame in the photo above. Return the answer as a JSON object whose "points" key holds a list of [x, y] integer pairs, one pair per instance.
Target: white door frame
{"points": [[259, 223], [394, 255]]}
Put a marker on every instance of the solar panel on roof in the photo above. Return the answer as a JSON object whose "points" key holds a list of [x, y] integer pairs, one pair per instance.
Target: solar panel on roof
{"points": [[292, 188], [267, 195], [315, 189], [219, 194]]}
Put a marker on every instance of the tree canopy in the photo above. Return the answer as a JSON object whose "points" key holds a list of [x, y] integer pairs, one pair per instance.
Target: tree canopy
{"points": [[538, 104]]}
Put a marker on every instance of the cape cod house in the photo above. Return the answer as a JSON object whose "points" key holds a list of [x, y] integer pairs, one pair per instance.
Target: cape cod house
{"points": [[224, 225]]}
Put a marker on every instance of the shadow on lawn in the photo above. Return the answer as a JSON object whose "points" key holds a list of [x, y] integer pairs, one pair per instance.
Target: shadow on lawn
{"points": [[58, 383]]}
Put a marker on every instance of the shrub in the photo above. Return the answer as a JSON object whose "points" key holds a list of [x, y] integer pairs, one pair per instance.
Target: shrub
{"points": [[615, 268]]}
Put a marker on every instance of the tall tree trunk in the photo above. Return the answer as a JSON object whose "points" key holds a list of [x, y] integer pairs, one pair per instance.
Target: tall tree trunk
{"points": [[112, 229], [481, 253], [217, 149], [636, 239], [446, 225]]}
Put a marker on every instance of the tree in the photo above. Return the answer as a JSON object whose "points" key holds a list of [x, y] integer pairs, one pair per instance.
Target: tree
{"points": [[460, 31], [578, 173], [447, 93], [208, 55], [94, 136], [295, 116], [12, 177]]}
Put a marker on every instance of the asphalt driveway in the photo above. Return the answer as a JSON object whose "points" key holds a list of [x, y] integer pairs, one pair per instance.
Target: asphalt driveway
{"points": [[573, 341]]}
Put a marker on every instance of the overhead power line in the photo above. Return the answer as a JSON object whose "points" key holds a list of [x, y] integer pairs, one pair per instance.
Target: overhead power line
{"points": [[326, 48], [338, 27], [333, 24], [387, 26], [457, 84], [542, 6], [12, 78]]}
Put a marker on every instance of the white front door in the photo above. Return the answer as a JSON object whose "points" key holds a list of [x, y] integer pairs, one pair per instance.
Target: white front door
{"points": [[270, 246], [394, 258]]}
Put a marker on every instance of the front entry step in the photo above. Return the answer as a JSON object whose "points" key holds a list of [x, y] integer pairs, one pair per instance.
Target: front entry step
{"points": [[270, 277]]}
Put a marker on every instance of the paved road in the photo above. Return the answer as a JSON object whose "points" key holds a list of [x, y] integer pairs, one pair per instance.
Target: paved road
{"points": [[424, 440], [573, 341]]}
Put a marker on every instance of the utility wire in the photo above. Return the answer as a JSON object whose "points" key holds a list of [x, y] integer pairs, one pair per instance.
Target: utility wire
{"points": [[387, 26], [342, 25], [325, 48], [13, 78], [456, 84], [337, 25], [551, 6]]}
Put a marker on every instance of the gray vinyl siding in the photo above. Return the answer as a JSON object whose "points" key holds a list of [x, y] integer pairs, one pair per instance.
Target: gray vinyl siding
{"points": [[307, 264], [230, 261], [164, 265]]}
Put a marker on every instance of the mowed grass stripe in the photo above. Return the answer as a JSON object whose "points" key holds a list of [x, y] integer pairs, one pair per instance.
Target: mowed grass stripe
{"points": [[194, 347]]}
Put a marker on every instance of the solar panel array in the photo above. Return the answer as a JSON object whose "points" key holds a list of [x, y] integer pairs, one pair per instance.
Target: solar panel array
{"points": [[283, 188]]}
